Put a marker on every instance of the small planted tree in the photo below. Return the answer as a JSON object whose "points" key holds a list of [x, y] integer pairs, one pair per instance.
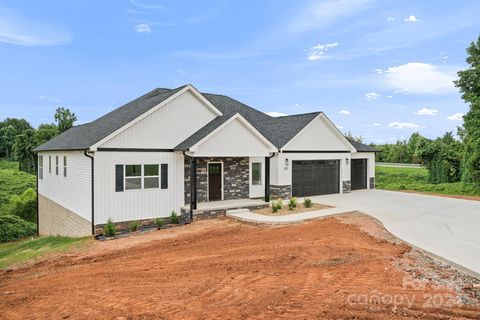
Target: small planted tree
{"points": [[292, 203], [109, 230], [307, 203], [159, 223], [134, 226], [277, 205], [174, 218]]}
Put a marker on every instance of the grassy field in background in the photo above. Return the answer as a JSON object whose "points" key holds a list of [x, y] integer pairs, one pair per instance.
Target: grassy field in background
{"points": [[17, 252], [12, 181], [391, 178]]}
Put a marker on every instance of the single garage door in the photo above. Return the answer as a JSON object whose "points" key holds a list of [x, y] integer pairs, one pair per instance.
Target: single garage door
{"points": [[313, 177], [358, 173]]}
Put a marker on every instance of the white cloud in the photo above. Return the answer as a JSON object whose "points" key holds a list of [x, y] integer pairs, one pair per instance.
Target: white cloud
{"points": [[19, 30], [339, 127], [346, 112], [456, 117], [426, 112], [320, 51], [145, 5], [371, 96], [390, 19], [143, 28], [411, 18], [276, 114], [403, 125], [418, 78], [378, 71], [48, 98], [376, 124]]}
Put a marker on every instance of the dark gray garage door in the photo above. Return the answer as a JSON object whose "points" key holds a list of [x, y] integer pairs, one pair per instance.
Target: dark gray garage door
{"points": [[313, 177], [359, 174]]}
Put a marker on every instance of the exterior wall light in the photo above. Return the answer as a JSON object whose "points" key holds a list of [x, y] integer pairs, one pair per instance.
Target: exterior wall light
{"points": [[286, 162], [346, 160]]}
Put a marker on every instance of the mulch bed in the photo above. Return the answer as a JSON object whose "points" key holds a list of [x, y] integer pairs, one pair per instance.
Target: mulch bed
{"points": [[285, 211]]}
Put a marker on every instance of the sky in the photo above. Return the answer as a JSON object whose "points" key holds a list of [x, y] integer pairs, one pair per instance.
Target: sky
{"points": [[379, 69]]}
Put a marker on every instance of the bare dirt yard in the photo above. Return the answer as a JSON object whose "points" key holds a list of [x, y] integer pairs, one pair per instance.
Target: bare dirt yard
{"points": [[347, 267]]}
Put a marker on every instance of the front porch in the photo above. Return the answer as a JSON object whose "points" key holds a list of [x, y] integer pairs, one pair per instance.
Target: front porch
{"points": [[214, 209]]}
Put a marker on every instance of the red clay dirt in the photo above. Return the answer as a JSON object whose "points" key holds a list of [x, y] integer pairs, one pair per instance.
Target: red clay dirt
{"points": [[335, 268]]}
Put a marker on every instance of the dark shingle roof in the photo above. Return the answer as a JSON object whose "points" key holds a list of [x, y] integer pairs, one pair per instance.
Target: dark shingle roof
{"points": [[360, 147], [86, 135], [278, 130]]}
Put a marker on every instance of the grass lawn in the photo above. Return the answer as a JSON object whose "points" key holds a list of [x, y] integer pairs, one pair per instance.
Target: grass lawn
{"points": [[20, 251], [391, 178]]}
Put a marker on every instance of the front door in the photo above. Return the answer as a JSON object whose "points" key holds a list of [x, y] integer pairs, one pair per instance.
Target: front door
{"points": [[214, 181]]}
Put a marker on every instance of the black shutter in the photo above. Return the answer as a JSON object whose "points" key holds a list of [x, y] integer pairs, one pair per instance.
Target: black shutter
{"points": [[119, 177], [164, 176]]}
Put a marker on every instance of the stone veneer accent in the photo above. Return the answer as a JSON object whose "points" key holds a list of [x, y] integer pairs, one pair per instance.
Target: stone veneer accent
{"points": [[235, 178], [283, 192], [57, 220], [347, 186], [372, 182], [215, 213]]}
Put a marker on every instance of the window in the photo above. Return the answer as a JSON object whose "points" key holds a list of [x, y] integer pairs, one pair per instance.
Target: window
{"points": [[56, 165], [49, 164], [65, 166], [40, 167], [133, 176], [256, 173], [150, 176]]}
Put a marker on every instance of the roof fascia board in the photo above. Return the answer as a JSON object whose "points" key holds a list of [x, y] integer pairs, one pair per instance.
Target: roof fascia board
{"points": [[247, 124], [190, 88]]}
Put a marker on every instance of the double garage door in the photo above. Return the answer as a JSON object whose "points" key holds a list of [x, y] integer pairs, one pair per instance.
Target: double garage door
{"points": [[314, 177]]}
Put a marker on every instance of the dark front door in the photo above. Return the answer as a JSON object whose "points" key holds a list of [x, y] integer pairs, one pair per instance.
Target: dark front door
{"points": [[214, 181], [314, 177], [358, 174]]}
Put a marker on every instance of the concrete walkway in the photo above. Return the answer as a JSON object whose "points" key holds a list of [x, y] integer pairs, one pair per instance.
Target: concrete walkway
{"points": [[445, 227]]}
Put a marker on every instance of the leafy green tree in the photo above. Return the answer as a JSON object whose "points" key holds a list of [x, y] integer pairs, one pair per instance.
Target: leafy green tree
{"points": [[24, 205], [64, 119], [469, 84], [9, 129], [358, 138], [24, 145]]}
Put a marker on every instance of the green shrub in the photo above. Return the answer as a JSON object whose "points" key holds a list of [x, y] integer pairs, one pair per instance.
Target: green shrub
{"points": [[277, 205], [134, 226], [13, 228], [307, 203], [13, 182], [174, 218], [159, 223], [292, 203], [24, 205], [109, 230]]}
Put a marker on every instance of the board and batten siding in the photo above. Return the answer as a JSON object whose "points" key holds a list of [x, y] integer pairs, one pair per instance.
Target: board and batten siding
{"points": [[318, 135], [130, 205], [370, 156], [233, 140], [166, 127], [72, 192]]}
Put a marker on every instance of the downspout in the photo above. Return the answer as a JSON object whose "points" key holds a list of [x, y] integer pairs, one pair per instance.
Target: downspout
{"points": [[93, 189], [36, 183], [267, 177]]}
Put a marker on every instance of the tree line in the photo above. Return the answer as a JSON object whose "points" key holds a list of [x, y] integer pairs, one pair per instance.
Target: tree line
{"points": [[18, 138]]}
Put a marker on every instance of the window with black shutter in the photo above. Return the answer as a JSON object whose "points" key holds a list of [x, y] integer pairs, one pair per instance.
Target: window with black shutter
{"points": [[119, 177], [164, 176]]}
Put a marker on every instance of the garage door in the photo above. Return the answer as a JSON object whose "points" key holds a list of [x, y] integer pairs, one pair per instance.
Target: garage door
{"points": [[313, 177], [359, 174]]}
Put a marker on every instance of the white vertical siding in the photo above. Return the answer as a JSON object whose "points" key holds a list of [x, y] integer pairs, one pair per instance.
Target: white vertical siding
{"points": [[136, 204], [72, 192], [233, 140], [318, 135], [257, 190], [166, 127], [370, 156], [281, 174]]}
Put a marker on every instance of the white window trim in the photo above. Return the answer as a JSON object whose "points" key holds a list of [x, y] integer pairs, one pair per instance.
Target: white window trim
{"points": [[208, 182], [56, 165], [65, 172], [261, 173], [141, 176], [40, 167]]}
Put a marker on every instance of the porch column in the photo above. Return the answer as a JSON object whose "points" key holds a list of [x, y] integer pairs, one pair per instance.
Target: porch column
{"points": [[267, 179], [193, 186]]}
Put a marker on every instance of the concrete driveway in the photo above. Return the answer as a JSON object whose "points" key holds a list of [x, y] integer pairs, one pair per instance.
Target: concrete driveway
{"points": [[446, 227]]}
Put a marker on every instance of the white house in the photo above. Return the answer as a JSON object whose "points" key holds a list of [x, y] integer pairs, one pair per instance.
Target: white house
{"points": [[146, 158]]}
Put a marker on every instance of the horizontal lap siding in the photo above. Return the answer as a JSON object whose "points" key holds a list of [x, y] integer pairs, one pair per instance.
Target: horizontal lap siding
{"points": [[74, 191], [136, 204]]}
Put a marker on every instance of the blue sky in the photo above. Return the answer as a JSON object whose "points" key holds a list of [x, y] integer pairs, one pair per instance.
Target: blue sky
{"points": [[380, 69]]}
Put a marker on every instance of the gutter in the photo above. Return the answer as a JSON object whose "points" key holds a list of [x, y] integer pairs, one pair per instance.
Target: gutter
{"points": [[85, 152]]}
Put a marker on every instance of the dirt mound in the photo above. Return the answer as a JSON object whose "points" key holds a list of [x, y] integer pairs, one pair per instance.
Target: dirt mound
{"points": [[325, 269]]}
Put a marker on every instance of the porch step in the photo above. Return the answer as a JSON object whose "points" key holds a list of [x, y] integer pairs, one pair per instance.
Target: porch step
{"points": [[236, 211]]}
